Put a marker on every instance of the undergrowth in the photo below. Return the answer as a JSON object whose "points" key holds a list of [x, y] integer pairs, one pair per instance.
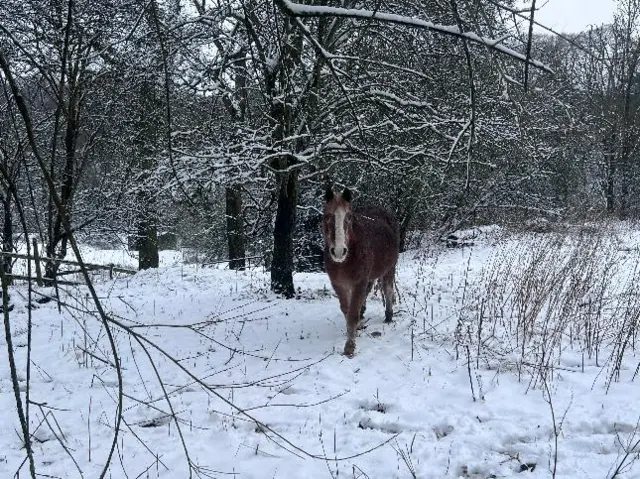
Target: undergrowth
{"points": [[542, 297]]}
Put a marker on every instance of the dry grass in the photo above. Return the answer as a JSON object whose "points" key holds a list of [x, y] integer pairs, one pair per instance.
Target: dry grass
{"points": [[542, 294]]}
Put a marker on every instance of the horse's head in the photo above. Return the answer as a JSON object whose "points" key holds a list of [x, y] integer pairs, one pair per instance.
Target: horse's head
{"points": [[336, 223]]}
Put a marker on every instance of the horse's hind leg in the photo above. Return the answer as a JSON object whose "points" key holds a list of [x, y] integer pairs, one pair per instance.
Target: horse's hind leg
{"points": [[388, 291], [358, 295], [364, 303]]}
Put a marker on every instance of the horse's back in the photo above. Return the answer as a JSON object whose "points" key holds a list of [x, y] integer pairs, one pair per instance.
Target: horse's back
{"points": [[382, 233], [377, 218], [379, 214]]}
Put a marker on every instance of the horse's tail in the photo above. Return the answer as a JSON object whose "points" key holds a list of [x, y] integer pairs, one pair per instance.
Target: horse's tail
{"points": [[377, 288]]}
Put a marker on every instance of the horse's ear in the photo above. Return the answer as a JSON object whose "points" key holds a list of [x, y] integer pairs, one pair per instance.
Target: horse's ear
{"points": [[346, 194], [328, 194]]}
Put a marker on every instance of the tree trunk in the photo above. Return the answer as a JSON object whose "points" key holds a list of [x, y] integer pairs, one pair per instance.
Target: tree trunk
{"points": [[609, 184], [235, 228], [282, 112], [148, 144], [282, 262], [57, 247], [623, 196], [7, 234], [148, 256], [405, 222]]}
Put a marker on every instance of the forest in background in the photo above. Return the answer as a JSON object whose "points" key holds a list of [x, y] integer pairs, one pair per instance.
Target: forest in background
{"points": [[220, 123]]}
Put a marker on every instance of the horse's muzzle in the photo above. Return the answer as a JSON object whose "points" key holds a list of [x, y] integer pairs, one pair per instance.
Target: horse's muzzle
{"points": [[338, 254]]}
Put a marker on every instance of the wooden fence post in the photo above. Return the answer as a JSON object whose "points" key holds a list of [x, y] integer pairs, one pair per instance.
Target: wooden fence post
{"points": [[36, 256]]}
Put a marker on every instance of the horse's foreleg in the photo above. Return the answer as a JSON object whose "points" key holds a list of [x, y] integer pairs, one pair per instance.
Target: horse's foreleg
{"points": [[358, 295], [388, 282], [343, 297]]}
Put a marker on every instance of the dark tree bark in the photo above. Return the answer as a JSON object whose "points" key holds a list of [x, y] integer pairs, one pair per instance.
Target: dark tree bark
{"points": [[405, 222], [282, 262], [235, 228], [148, 256], [610, 175], [235, 218], [7, 233], [57, 241], [283, 117]]}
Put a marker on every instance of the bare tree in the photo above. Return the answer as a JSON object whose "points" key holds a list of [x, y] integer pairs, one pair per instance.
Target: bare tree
{"points": [[11, 156], [609, 79], [55, 53]]}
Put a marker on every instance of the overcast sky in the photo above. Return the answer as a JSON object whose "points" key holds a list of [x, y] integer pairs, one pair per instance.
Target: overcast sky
{"points": [[574, 15]]}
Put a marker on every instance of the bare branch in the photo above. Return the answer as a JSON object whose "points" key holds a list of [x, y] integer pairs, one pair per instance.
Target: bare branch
{"points": [[299, 10]]}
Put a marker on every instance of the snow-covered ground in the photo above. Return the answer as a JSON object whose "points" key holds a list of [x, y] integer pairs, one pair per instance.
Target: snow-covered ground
{"points": [[421, 398]]}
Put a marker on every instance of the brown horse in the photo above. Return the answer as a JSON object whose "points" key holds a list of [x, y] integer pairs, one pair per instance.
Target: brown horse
{"points": [[361, 245]]}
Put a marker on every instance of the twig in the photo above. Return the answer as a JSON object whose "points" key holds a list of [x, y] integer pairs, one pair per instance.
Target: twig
{"points": [[473, 394], [529, 43], [14, 371], [61, 439], [556, 432]]}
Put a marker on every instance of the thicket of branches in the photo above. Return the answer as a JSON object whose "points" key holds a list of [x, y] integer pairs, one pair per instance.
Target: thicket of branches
{"points": [[222, 121]]}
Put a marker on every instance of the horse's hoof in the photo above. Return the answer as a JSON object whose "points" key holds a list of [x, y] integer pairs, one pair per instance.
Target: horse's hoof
{"points": [[388, 318], [349, 348]]}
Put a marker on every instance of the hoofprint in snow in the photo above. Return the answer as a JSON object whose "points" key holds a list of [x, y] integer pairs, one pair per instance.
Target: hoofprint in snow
{"points": [[409, 404]]}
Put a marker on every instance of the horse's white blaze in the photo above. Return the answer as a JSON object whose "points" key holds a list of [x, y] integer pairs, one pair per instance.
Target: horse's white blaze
{"points": [[339, 252]]}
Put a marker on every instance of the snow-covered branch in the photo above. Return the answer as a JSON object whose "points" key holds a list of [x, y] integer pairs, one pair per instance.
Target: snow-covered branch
{"points": [[299, 10]]}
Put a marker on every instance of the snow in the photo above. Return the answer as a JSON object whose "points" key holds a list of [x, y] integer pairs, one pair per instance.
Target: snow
{"points": [[403, 402]]}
